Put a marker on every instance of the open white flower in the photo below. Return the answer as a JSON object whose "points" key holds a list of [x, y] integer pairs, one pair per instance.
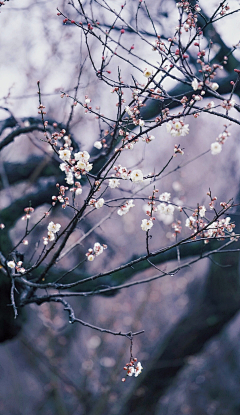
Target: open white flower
{"points": [[53, 227], [147, 72], [165, 197], [146, 224], [114, 183], [202, 211], [82, 155], [216, 148], [65, 154], [189, 222], [214, 86], [99, 203], [125, 208], [11, 264], [195, 84], [138, 369], [136, 176]]}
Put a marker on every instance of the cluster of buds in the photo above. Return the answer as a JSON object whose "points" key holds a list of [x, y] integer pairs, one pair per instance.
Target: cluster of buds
{"points": [[224, 9], [190, 21], [61, 197], [28, 211], [77, 189], [57, 135], [177, 228], [178, 150], [219, 229], [125, 208], [165, 114], [216, 147], [122, 172], [134, 112], [228, 104], [41, 109], [97, 250], [183, 4], [17, 266], [148, 139], [158, 44], [212, 200], [132, 368]]}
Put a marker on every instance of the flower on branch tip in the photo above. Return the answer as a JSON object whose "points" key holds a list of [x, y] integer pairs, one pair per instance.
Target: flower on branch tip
{"points": [[125, 208], [216, 148], [136, 176], [146, 224]]}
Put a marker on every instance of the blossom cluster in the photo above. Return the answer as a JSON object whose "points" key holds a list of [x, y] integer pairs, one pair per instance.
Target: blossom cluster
{"points": [[133, 368], [216, 147], [125, 208], [96, 251], [28, 211], [125, 174], [17, 266], [52, 228]]}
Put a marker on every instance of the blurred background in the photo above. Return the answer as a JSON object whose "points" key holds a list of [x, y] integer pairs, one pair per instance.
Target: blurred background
{"points": [[190, 348]]}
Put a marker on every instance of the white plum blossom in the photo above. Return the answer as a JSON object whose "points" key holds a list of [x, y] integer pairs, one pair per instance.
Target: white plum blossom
{"points": [[51, 236], [146, 224], [136, 176], [214, 86], [90, 257], [138, 369], [69, 178], [125, 208], [114, 183], [130, 371], [141, 123], [124, 173], [165, 197], [216, 148], [161, 208], [202, 211], [63, 166], [98, 248], [65, 154], [169, 209], [99, 203], [195, 84], [53, 227], [151, 138], [97, 145], [147, 72], [189, 222], [82, 155], [128, 110], [11, 264], [177, 128], [78, 191]]}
